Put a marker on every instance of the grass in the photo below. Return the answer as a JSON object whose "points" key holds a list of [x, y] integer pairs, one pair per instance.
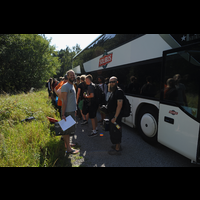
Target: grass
{"points": [[29, 144]]}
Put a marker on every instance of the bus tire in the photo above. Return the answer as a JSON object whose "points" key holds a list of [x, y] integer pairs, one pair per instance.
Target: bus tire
{"points": [[147, 124]]}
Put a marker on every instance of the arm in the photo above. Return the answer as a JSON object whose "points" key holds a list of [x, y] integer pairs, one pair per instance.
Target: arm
{"points": [[119, 107], [64, 103], [57, 87], [55, 91]]}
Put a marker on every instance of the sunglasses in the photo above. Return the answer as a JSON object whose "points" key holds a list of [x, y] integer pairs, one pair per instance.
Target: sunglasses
{"points": [[112, 81]]}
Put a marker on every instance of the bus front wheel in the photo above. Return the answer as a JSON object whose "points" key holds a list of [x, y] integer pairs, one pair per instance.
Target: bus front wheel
{"points": [[148, 124]]}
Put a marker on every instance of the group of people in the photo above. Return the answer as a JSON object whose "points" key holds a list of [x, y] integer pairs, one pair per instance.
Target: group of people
{"points": [[73, 96]]}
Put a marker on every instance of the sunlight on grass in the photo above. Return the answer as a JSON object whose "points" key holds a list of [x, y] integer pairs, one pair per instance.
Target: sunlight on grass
{"points": [[28, 143]]}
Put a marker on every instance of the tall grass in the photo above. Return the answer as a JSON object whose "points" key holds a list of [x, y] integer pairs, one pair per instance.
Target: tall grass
{"points": [[28, 143]]}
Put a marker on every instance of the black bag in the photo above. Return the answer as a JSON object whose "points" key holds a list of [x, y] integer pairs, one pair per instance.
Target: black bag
{"points": [[99, 95], [104, 109], [58, 129], [126, 108]]}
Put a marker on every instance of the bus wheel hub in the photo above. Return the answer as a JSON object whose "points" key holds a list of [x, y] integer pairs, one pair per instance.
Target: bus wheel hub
{"points": [[148, 125]]}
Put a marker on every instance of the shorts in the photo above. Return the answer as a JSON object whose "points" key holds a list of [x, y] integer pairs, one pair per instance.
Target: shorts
{"points": [[93, 111], [71, 130], [80, 104]]}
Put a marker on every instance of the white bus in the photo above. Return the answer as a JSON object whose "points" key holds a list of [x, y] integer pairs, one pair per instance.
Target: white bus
{"points": [[160, 75]]}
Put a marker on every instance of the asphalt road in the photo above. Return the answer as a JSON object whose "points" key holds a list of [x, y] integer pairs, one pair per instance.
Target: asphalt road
{"points": [[136, 152]]}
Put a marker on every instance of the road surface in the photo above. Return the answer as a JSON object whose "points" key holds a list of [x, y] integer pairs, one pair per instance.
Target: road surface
{"points": [[136, 152]]}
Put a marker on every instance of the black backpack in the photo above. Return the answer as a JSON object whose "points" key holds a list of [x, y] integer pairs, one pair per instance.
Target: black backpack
{"points": [[126, 108], [99, 95]]}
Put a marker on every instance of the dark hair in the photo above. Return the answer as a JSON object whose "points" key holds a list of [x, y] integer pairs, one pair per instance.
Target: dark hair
{"points": [[102, 78]]}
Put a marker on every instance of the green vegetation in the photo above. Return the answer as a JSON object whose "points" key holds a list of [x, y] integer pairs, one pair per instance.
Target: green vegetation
{"points": [[30, 143], [28, 60]]}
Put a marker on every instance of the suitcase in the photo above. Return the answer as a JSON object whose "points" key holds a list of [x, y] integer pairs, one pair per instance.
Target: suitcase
{"points": [[106, 125], [52, 120]]}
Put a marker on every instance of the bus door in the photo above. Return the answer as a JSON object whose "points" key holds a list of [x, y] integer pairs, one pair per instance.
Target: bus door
{"points": [[178, 125]]}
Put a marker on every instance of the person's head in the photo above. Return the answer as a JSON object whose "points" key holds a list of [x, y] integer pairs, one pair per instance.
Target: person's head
{"points": [[50, 80], [170, 83], [61, 78], [70, 76], [88, 79], [113, 83], [83, 78], [101, 79], [177, 78], [78, 79], [133, 79], [65, 78]]}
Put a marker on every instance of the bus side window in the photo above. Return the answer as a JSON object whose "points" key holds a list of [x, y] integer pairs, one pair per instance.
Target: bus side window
{"points": [[183, 86]]}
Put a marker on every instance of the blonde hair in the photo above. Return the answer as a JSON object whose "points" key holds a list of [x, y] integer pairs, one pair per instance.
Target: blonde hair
{"points": [[83, 77]]}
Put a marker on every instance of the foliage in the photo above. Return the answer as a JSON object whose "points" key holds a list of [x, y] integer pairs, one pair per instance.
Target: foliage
{"points": [[28, 143], [65, 56], [26, 61], [31, 144]]}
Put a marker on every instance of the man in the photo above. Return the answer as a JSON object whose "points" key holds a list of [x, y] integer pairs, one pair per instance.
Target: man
{"points": [[68, 96], [82, 87], [115, 104], [92, 105]]}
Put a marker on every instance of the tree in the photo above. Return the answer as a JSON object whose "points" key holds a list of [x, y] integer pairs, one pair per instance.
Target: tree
{"points": [[26, 60], [65, 56]]}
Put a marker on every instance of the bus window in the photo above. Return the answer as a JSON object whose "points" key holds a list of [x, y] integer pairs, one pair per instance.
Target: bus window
{"points": [[140, 80], [182, 80]]}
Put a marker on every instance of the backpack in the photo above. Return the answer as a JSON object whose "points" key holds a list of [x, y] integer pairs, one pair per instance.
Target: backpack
{"points": [[126, 108], [99, 95]]}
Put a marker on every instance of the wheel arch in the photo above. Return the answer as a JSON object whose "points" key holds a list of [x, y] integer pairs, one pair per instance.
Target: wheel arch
{"points": [[142, 106]]}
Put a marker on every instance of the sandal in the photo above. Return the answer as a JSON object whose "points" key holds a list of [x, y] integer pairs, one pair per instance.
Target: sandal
{"points": [[73, 151]]}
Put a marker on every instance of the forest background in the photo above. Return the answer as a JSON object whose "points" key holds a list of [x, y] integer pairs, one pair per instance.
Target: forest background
{"points": [[28, 60]]}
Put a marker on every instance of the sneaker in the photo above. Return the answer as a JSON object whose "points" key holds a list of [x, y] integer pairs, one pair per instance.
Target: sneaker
{"points": [[92, 134], [96, 130], [84, 122]]}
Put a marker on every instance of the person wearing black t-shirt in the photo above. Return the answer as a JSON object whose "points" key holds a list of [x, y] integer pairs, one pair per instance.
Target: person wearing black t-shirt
{"points": [[92, 104], [115, 104], [81, 88]]}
